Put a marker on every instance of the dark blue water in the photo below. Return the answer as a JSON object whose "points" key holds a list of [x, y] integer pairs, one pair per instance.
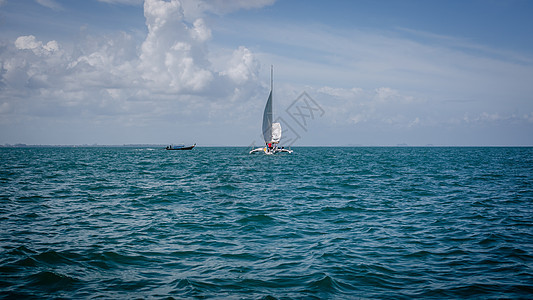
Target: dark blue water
{"points": [[220, 223]]}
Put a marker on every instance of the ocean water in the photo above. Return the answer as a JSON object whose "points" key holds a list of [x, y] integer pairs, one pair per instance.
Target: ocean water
{"points": [[324, 223]]}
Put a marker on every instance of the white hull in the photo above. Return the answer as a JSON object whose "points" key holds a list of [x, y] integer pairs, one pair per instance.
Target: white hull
{"points": [[270, 151]]}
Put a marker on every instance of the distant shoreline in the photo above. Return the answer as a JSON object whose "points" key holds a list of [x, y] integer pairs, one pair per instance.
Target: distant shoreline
{"points": [[241, 146]]}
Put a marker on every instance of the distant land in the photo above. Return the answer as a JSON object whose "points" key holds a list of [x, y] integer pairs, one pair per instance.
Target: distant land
{"points": [[21, 145], [82, 145]]}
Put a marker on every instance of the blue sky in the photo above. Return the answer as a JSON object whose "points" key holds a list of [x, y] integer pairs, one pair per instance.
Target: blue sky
{"points": [[373, 72]]}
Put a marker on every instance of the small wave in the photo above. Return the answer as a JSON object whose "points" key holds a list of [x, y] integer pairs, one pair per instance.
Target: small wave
{"points": [[52, 258], [326, 285], [184, 287], [32, 215], [109, 260], [224, 187], [261, 219], [27, 262], [50, 281], [21, 250], [471, 291], [242, 256]]}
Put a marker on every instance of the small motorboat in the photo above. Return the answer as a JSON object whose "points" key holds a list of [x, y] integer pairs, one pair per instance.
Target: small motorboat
{"points": [[180, 147]]}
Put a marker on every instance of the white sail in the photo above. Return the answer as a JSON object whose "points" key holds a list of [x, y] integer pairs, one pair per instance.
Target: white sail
{"points": [[276, 132], [267, 120]]}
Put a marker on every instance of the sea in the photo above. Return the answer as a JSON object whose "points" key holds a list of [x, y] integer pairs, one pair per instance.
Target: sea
{"points": [[219, 223]]}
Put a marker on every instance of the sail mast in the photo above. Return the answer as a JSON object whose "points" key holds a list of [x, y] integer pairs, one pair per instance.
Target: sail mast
{"points": [[275, 131], [271, 93], [271, 77]]}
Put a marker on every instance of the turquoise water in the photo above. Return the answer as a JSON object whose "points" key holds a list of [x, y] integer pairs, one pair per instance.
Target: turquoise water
{"points": [[219, 223]]}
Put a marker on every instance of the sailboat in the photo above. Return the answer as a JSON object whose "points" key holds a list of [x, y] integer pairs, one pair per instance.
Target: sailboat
{"points": [[271, 131]]}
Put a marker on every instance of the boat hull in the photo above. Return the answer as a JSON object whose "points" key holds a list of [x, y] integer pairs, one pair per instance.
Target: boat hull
{"points": [[181, 148], [267, 151]]}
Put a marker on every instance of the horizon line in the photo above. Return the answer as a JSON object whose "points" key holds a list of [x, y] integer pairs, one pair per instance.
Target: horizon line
{"points": [[23, 145]]}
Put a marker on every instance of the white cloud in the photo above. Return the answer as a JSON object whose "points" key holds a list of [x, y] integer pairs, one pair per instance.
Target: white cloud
{"points": [[197, 8], [173, 55], [243, 66], [115, 78], [385, 94], [486, 117], [378, 106], [52, 4], [224, 6], [173, 59], [29, 42], [340, 92], [414, 122], [128, 2], [529, 117], [200, 31], [370, 59], [4, 107], [194, 9], [400, 78], [358, 118]]}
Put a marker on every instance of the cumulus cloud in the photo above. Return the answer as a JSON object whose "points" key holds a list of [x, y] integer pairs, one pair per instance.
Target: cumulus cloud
{"points": [[29, 42], [29, 66], [121, 78], [200, 31], [243, 66], [173, 54], [172, 59]]}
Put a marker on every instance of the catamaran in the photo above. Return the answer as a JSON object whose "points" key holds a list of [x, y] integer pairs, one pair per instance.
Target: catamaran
{"points": [[271, 131]]}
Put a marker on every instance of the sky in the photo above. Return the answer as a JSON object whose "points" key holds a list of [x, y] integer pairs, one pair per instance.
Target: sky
{"points": [[362, 72]]}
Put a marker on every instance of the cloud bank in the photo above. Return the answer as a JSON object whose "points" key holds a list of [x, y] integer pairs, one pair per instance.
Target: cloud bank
{"points": [[115, 78], [179, 77]]}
